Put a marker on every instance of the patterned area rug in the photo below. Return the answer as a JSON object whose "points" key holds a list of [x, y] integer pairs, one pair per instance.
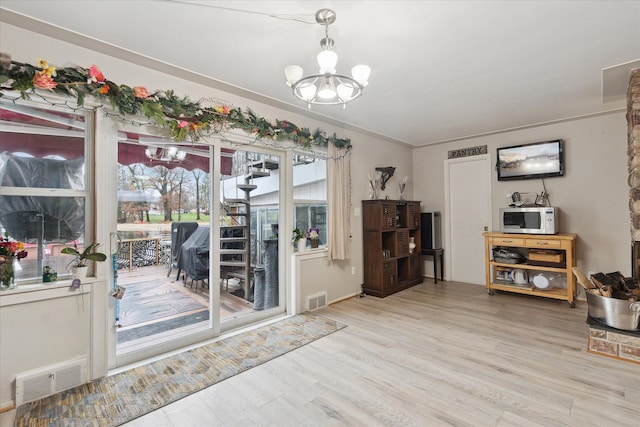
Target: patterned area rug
{"points": [[115, 400]]}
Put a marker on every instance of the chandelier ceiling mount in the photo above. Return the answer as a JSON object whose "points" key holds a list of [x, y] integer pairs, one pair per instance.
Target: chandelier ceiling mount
{"points": [[327, 87]]}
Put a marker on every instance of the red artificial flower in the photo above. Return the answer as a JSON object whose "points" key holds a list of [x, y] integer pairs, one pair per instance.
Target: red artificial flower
{"points": [[43, 81], [140, 92], [183, 124], [11, 248], [95, 74], [21, 254], [104, 90]]}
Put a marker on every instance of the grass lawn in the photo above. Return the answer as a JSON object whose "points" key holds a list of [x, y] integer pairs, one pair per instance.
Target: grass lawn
{"points": [[186, 217]]}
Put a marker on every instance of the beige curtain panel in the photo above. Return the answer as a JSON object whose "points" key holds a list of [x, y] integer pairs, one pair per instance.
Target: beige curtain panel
{"points": [[339, 200]]}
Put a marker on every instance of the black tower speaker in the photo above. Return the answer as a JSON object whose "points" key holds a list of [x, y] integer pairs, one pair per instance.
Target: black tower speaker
{"points": [[431, 234]]}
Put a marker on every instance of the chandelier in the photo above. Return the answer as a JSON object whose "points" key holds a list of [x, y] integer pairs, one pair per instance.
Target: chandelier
{"points": [[168, 155], [327, 87]]}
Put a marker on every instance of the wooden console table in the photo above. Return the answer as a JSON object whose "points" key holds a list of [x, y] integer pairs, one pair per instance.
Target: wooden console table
{"points": [[560, 242]]}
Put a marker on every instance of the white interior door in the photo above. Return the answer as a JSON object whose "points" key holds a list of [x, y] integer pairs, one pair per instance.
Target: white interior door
{"points": [[468, 214]]}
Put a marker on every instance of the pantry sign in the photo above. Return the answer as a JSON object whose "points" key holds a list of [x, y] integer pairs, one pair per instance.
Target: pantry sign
{"points": [[467, 152]]}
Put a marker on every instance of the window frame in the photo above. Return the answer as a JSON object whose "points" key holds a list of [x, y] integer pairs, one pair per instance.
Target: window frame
{"points": [[86, 193], [308, 204]]}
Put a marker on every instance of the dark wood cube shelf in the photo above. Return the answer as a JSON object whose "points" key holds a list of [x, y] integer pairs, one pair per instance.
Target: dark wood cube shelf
{"points": [[388, 228]]}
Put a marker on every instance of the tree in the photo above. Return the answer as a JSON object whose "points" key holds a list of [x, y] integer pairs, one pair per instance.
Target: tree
{"points": [[180, 195], [138, 178], [205, 193], [132, 205], [197, 175], [165, 181]]}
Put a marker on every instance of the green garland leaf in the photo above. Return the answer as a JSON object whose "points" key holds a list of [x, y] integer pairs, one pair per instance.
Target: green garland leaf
{"points": [[153, 110]]}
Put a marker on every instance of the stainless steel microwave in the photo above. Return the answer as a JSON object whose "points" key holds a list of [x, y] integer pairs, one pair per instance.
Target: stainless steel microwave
{"points": [[531, 220]]}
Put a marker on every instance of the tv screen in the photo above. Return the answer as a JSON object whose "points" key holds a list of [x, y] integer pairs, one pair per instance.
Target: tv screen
{"points": [[529, 161]]}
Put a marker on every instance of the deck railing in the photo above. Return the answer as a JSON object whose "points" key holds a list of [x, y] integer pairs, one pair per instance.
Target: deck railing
{"points": [[143, 251]]}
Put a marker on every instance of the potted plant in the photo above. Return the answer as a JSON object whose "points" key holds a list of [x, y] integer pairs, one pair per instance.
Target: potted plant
{"points": [[299, 239], [314, 237], [79, 264]]}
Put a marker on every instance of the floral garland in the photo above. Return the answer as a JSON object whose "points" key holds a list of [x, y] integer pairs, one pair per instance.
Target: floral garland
{"points": [[183, 117]]}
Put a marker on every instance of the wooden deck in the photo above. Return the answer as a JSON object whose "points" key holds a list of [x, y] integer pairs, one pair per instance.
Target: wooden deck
{"points": [[231, 306]]}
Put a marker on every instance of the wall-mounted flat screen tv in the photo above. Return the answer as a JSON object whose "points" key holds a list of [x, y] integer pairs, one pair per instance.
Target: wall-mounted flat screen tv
{"points": [[530, 161]]}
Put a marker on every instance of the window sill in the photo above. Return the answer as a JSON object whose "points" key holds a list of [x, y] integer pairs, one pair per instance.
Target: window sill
{"points": [[312, 253], [43, 291]]}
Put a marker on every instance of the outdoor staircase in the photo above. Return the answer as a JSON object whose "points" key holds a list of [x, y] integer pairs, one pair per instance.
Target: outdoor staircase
{"points": [[260, 168], [235, 241], [235, 238]]}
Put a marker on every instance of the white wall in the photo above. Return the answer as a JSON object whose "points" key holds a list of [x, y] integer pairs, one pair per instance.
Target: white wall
{"points": [[592, 195], [368, 153], [43, 328]]}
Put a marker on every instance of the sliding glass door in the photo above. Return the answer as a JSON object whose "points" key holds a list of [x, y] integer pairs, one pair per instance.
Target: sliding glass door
{"points": [[250, 254], [198, 250], [161, 264]]}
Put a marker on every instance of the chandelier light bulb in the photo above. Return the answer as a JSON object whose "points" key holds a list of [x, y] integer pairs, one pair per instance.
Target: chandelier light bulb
{"points": [[361, 74], [308, 92], [148, 153], [326, 89], [293, 73], [180, 155], [345, 92], [172, 151], [327, 60], [326, 93]]}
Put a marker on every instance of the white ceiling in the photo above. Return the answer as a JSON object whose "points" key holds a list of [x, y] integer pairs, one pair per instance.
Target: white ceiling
{"points": [[441, 70]]}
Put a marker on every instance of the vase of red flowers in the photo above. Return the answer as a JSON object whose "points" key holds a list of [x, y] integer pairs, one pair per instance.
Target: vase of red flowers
{"points": [[11, 252]]}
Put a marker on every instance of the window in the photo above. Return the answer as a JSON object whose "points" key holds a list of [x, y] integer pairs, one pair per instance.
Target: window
{"points": [[310, 194], [44, 184]]}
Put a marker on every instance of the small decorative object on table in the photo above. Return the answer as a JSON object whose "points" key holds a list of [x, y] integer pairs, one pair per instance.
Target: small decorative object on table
{"points": [[402, 185], [314, 237], [11, 252], [412, 244]]}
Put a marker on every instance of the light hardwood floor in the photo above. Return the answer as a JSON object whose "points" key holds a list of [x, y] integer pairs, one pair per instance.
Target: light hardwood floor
{"points": [[445, 354]]}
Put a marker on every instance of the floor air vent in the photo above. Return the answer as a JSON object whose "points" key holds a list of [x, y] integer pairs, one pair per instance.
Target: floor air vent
{"points": [[42, 382], [316, 301]]}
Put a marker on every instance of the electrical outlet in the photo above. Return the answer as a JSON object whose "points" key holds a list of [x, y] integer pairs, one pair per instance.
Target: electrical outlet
{"points": [[356, 212], [353, 270]]}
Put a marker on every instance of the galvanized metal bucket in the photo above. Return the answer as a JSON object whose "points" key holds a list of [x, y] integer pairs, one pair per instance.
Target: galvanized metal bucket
{"points": [[617, 313]]}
